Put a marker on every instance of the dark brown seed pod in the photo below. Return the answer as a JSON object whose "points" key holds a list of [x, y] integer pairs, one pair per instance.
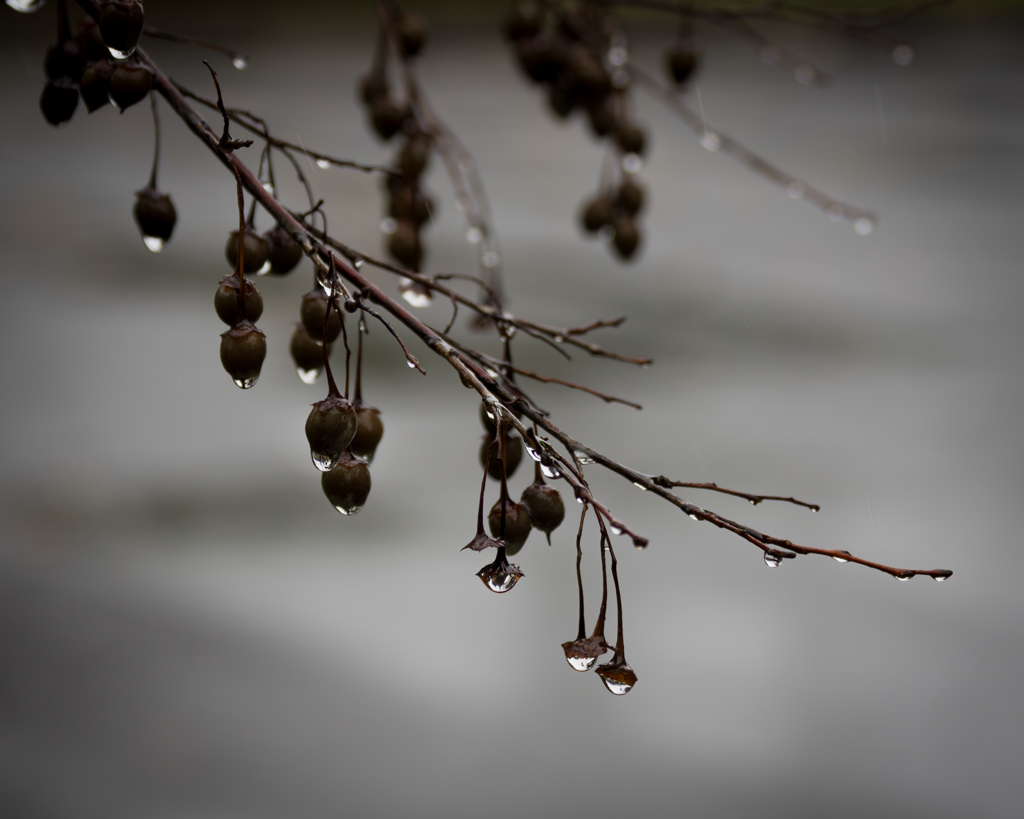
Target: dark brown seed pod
{"points": [[681, 60], [313, 312], [627, 237], [513, 456], [488, 421], [90, 40], [629, 197], [412, 32], [369, 431], [225, 301], [256, 251], [59, 100], [387, 118], [373, 87], [155, 215], [330, 427], [517, 525], [65, 60], [409, 205], [597, 212], [523, 20], [242, 350], [631, 138], [545, 507], [121, 23], [563, 99], [347, 486], [129, 84], [405, 246], [542, 58], [95, 84], [413, 156], [589, 78], [602, 119], [307, 354], [282, 250]]}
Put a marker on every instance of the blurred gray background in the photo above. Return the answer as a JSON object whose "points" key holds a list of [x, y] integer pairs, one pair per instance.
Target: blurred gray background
{"points": [[187, 629]]}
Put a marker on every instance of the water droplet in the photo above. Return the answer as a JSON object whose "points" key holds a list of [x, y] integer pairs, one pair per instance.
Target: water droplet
{"points": [[348, 510], [579, 492], [903, 54], [694, 517], [323, 461], [323, 164], [711, 141], [490, 258], [474, 235], [26, 6], [772, 561], [267, 186], [615, 530], [358, 263], [246, 383], [533, 453], [940, 578], [903, 577], [864, 225], [120, 55], [619, 679], [805, 74], [415, 294], [639, 543], [308, 376], [388, 226], [796, 189], [263, 271], [240, 61], [640, 486], [581, 663], [617, 688], [632, 163], [617, 55], [841, 559], [493, 373], [411, 363], [500, 582], [835, 212], [154, 243], [550, 471], [559, 339]]}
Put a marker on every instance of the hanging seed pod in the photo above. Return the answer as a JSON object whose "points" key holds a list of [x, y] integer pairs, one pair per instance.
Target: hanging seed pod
{"points": [[409, 205], [412, 33], [330, 427], [256, 251], [413, 156], [524, 20], [386, 117], [631, 138], [681, 60], [590, 80], [129, 84], [373, 87], [307, 354], [597, 212], [313, 312], [347, 486], [517, 525], [405, 246], [242, 350], [65, 59], [95, 84], [59, 100], [629, 197], [488, 421], [542, 58], [121, 23], [602, 119], [225, 301], [545, 507], [90, 41], [283, 251], [563, 99], [155, 215], [513, 456], [627, 237], [369, 431]]}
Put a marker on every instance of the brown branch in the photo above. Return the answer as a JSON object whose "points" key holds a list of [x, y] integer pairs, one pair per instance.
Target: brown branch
{"points": [[666, 483]]}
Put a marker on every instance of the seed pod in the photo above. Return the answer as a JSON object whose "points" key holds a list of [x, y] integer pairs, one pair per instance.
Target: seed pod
{"points": [[524, 20], [408, 205], [282, 250], [386, 117], [681, 60], [488, 421], [629, 198], [90, 41], [563, 99], [597, 212], [330, 427], [589, 78], [513, 456], [413, 156], [627, 237], [225, 301], [405, 246], [65, 59], [59, 100], [545, 507], [631, 138], [517, 525], [242, 350], [155, 215], [347, 486], [129, 84], [95, 84], [373, 87], [121, 24], [313, 312], [602, 119], [256, 251], [542, 58], [369, 431], [412, 32], [307, 354]]}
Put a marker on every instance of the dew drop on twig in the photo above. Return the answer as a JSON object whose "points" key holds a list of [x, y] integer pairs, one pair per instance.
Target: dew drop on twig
{"points": [[323, 164], [772, 561], [240, 61]]}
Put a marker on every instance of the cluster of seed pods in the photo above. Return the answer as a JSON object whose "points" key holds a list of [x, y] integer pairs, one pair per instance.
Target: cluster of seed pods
{"points": [[579, 53]]}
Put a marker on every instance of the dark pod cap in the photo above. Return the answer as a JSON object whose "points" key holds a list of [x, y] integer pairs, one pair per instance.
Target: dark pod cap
{"points": [[282, 250], [681, 60], [256, 251], [59, 100], [121, 23], [242, 350], [155, 215], [330, 428], [347, 486], [129, 84], [369, 431], [517, 525], [313, 312], [225, 301]]}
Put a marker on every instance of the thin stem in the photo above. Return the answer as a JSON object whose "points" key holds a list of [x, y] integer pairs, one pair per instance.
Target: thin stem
{"points": [[156, 141], [581, 632], [662, 481], [234, 56]]}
